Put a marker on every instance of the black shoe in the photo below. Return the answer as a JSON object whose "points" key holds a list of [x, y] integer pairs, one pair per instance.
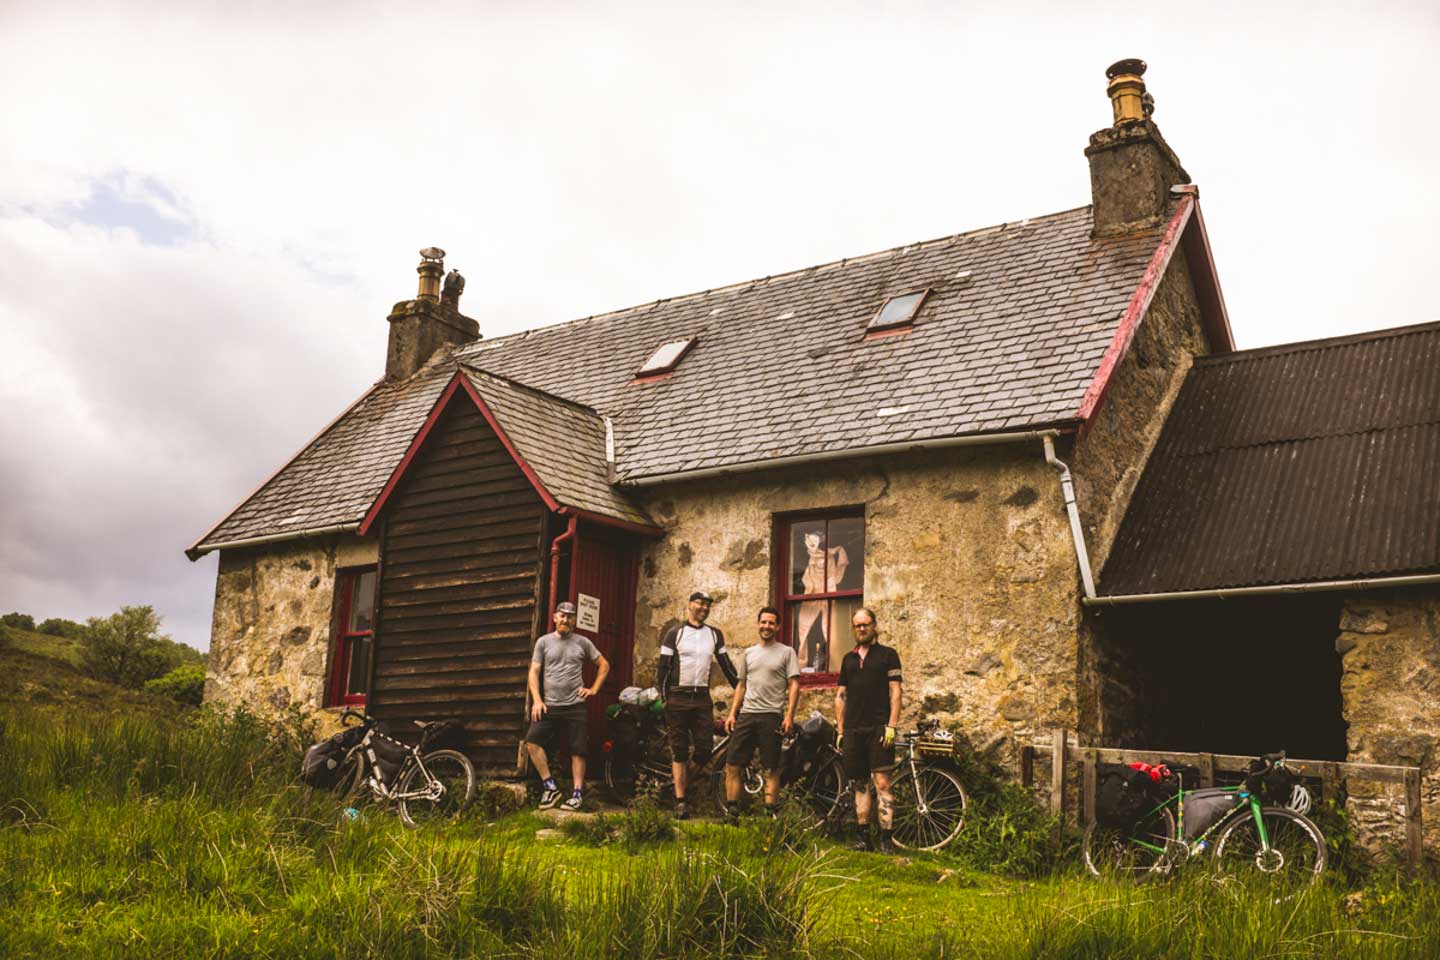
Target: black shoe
{"points": [[887, 842], [732, 814], [864, 841], [682, 810], [772, 811]]}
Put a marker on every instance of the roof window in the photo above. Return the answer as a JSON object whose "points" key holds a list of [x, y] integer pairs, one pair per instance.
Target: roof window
{"points": [[666, 357], [898, 311]]}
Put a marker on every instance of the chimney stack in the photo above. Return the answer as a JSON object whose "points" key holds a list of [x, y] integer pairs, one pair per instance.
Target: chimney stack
{"points": [[421, 326], [1132, 168]]}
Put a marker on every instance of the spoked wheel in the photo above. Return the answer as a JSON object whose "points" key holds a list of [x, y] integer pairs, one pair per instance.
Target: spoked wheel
{"points": [[625, 779], [1293, 860], [440, 797], [819, 792], [752, 784], [929, 808], [1133, 853]]}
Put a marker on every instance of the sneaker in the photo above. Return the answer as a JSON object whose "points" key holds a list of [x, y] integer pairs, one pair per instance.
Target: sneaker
{"points": [[549, 796], [864, 841], [573, 804], [887, 842], [682, 810], [732, 814]]}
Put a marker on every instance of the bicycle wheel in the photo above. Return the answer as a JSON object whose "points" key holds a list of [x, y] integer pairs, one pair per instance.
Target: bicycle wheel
{"points": [[1122, 853], [442, 795], [820, 791], [929, 808], [1294, 858], [624, 779]]}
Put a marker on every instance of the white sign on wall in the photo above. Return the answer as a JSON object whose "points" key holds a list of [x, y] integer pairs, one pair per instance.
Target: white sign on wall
{"points": [[587, 612]]}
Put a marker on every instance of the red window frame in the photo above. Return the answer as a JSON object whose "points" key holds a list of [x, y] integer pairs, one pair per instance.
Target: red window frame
{"points": [[343, 647], [788, 601]]}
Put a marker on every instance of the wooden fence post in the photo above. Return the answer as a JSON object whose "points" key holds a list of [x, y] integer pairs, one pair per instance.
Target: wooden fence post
{"points": [[1414, 823], [1027, 765], [1206, 763], [1057, 773], [1330, 782], [1087, 793]]}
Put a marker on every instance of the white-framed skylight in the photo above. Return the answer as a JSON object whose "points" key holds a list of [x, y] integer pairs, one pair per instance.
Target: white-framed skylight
{"points": [[899, 311], [666, 357]]}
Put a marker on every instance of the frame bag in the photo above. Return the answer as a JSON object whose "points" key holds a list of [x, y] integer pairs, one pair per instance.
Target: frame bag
{"points": [[1122, 798]]}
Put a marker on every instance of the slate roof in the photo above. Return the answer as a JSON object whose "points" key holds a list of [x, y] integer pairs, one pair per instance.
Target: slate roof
{"points": [[563, 442], [1303, 462], [781, 366]]}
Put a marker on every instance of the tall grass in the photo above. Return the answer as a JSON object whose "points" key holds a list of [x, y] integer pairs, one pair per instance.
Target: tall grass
{"points": [[147, 839]]}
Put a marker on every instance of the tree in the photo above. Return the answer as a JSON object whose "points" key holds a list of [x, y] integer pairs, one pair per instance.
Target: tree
{"points": [[60, 627], [127, 647], [20, 621]]}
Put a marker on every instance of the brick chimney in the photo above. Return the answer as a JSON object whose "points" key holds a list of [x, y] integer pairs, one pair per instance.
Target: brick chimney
{"points": [[1132, 168], [421, 326]]}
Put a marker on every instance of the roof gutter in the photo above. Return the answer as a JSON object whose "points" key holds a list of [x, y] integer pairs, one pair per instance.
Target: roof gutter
{"points": [[1318, 586], [196, 552], [883, 449]]}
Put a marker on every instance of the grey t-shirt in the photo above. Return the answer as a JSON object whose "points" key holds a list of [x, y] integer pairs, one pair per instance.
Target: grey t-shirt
{"points": [[561, 660], [766, 669]]}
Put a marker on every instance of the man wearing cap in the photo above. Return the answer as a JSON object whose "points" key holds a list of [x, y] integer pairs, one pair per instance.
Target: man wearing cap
{"points": [[765, 704], [683, 679], [560, 709]]}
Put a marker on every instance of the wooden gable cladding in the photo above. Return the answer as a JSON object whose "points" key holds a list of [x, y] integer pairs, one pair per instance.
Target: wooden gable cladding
{"points": [[462, 544]]}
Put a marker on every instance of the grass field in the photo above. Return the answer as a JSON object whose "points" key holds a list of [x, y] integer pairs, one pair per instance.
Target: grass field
{"points": [[131, 833]]}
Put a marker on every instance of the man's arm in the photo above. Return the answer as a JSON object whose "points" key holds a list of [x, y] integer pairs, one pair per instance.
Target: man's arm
{"points": [[667, 659], [789, 720], [537, 703], [602, 670], [895, 694], [726, 667], [839, 715], [735, 702]]}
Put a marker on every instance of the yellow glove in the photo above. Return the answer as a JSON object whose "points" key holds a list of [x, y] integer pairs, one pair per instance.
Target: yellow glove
{"points": [[889, 738], [839, 740]]}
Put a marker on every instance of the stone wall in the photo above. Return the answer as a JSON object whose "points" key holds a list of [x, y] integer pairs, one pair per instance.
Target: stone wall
{"points": [[1108, 460], [1390, 646], [270, 639], [969, 566]]}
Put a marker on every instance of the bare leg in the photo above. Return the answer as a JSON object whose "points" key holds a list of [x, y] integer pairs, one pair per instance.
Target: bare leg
{"points": [[537, 757], [884, 799], [732, 782], [577, 770], [862, 803], [772, 787], [682, 778]]}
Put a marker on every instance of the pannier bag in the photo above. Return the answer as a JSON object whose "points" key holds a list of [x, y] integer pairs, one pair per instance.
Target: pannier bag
{"points": [[321, 764], [1270, 783], [1123, 797], [386, 755], [1203, 808], [1187, 774], [441, 735]]}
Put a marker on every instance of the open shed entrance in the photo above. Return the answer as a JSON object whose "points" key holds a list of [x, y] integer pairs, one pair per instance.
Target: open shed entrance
{"points": [[1242, 676]]}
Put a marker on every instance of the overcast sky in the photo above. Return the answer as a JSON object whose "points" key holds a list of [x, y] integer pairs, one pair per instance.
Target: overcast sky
{"points": [[206, 210]]}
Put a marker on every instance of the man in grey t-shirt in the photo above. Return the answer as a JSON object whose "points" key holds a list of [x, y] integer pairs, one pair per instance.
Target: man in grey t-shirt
{"points": [[560, 658], [765, 701]]}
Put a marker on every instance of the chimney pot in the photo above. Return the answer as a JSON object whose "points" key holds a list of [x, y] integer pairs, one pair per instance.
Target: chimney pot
{"points": [[432, 266], [1132, 168], [430, 322], [1127, 90]]}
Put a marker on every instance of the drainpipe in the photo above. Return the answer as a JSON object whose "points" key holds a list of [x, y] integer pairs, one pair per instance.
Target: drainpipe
{"points": [[1067, 488], [565, 539]]}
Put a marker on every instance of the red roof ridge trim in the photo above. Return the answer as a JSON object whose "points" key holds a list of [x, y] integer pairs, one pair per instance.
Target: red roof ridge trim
{"points": [[1135, 311], [459, 382]]}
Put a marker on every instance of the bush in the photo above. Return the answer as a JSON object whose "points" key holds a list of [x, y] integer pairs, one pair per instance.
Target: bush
{"points": [[127, 648], [58, 627], [20, 621], [185, 684]]}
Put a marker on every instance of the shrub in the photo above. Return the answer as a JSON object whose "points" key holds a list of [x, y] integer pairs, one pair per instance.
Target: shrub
{"points": [[185, 684], [591, 831], [58, 627], [645, 823], [127, 647]]}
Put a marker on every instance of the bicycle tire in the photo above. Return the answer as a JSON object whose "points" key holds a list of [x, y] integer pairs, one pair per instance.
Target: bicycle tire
{"points": [[455, 774], [1296, 856], [930, 805], [822, 792], [624, 778], [1129, 853]]}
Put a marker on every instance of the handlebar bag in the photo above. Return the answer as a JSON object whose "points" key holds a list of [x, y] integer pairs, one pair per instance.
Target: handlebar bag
{"points": [[1202, 808], [386, 755], [321, 764], [1122, 798], [1270, 783]]}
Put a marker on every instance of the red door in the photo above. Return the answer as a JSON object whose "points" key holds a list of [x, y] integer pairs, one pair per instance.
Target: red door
{"points": [[605, 565]]}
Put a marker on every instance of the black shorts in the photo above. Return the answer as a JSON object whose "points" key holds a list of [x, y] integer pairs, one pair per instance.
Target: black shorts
{"points": [[865, 752], [756, 730], [690, 725], [568, 720]]}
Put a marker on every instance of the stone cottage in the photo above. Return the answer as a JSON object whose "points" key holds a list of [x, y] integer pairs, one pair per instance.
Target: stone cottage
{"points": [[950, 432]]}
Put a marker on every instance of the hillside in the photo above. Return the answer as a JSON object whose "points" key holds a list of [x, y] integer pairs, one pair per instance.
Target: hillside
{"points": [[42, 672]]}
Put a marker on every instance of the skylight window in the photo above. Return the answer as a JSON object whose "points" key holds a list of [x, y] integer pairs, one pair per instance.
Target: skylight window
{"points": [[899, 311], [666, 357]]}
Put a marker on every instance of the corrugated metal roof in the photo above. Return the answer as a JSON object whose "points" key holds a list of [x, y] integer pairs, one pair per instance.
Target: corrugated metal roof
{"points": [[1301, 462]]}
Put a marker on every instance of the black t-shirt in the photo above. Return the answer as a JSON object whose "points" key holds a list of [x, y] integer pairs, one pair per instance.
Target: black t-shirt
{"points": [[867, 685]]}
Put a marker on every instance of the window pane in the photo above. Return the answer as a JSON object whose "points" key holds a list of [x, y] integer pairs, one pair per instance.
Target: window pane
{"points": [[810, 635], [898, 310], [807, 557], [362, 602], [359, 665], [846, 544], [842, 638]]}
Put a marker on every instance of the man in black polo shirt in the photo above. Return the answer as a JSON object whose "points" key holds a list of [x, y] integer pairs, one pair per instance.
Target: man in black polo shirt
{"points": [[867, 709]]}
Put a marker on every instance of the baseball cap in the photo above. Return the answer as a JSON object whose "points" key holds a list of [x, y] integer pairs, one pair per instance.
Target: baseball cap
{"points": [[566, 607], [702, 595]]}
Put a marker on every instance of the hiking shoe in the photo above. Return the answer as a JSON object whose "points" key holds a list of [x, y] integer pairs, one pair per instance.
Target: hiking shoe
{"points": [[732, 814], [887, 842], [548, 798], [573, 804], [682, 810], [772, 811], [864, 842]]}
